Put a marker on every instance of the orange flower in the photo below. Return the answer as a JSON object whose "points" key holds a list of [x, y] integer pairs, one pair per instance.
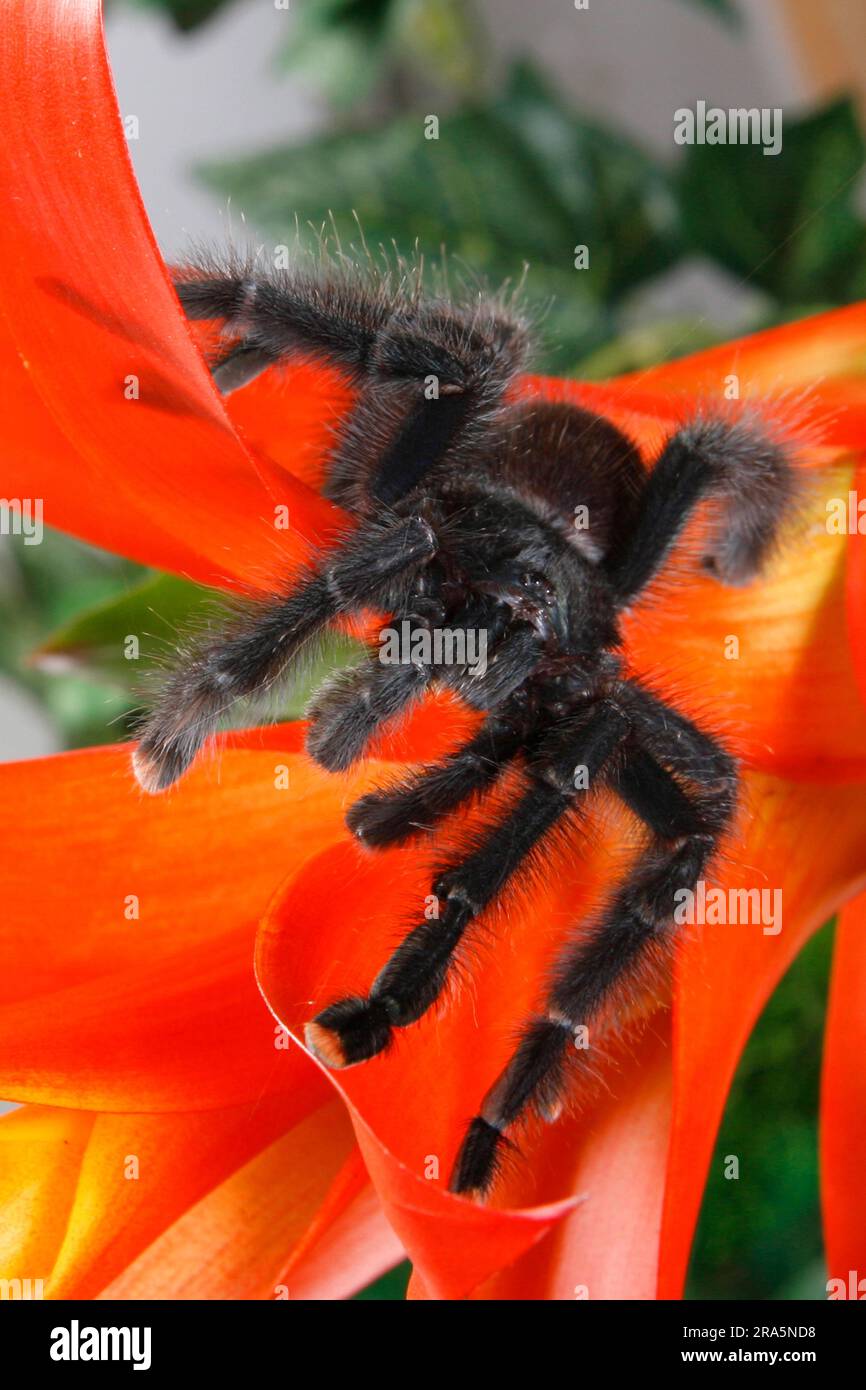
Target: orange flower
{"points": [[173, 1144]]}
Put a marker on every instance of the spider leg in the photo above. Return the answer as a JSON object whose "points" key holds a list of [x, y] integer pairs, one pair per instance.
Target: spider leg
{"points": [[246, 661], [422, 800], [239, 366], [432, 377], [350, 709], [630, 946], [283, 314], [357, 1028], [676, 741], [732, 463]]}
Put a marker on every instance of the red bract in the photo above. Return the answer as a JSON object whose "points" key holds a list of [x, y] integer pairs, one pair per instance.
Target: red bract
{"points": [[148, 1038]]}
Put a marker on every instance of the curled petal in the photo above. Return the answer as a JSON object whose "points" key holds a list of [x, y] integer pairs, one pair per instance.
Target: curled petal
{"points": [[83, 1198], [307, 1184], [111, 417], [410, 1106]]}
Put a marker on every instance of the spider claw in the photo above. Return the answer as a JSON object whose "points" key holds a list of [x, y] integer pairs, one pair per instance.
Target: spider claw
{"points": [[376, 821], [156, 771], [478, 1159], [350, 1031], [325, 1046], [550, 1113], [147, 773]]}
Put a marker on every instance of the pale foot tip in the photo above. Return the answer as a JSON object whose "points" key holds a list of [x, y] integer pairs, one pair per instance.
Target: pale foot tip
{"points": [[325, 1045], [146, 772]]}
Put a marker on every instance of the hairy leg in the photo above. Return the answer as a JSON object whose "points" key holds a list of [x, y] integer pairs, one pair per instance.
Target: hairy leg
{"points": [[422, 800], [626, 952], [431, 377], [355, 1029], [733, 464], [246, 661]]}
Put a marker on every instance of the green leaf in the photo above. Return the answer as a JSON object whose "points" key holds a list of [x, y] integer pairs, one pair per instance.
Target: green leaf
{"points": [[723, 9], [786, 222], [345, 46], [159, 614], [96, 641], [615, 197], [443, 39], [391, 1286], [646, 346], [520, 178], [341, 44]]}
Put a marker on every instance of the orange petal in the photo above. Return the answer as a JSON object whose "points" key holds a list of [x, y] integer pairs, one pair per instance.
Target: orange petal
{"points": [[158, 1011], [84, 1196], [843, 1104], [410, 1106], [287, 415], [234, 1242], [97, 355], [40, 1157], [817, 363], [770, 667], [615, 1159], [856, 584], [113, 1209], [726, 973]]}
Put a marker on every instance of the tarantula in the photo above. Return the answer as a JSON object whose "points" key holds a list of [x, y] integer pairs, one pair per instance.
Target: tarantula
{"points": [[464, 500]]}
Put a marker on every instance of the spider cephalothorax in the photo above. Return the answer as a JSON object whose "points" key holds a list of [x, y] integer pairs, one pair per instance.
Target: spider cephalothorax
{"points": [[465, 505]]}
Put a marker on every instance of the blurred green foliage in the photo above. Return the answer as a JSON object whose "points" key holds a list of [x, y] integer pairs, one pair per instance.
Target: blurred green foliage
{"points": [[76, 610], [722, 9], [521, 179], [346, 47], [760, 1235], [516, 175], [787, 222], [185, 14], [515, 180], [155, 611], [43, 588]]}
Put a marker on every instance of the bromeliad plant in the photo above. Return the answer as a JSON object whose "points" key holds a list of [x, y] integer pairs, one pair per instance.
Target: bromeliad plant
{"points": [[161, 956]]}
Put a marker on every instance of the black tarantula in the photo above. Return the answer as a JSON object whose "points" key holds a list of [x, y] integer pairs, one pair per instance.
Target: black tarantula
{"points": [[465, 502]]}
